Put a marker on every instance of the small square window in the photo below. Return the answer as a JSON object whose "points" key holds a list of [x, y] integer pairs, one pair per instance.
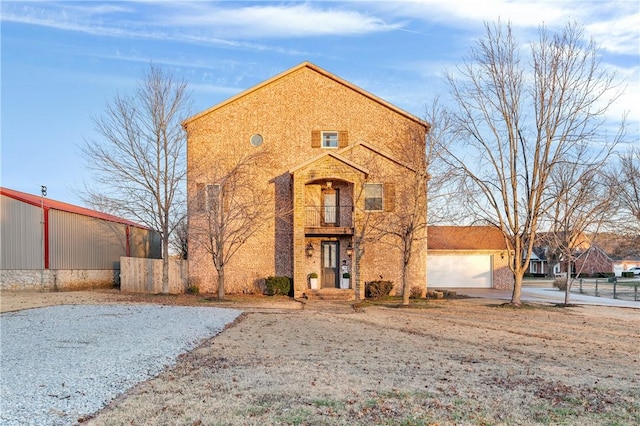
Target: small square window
{"points": [[373, 196], [329, 139]]}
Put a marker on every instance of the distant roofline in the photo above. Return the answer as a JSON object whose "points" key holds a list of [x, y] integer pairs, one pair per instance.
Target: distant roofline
{"points": [[39, 201], [319, 70]]}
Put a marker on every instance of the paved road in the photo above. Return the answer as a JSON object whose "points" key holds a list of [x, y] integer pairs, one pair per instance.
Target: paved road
{"points": [[539, 292]]}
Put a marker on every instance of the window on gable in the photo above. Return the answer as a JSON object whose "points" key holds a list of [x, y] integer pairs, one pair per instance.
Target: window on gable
{"points": [[373, 196], [329, 139]]}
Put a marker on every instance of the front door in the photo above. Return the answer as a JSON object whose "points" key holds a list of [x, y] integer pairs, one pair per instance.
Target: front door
{"points": [[330, 264]]}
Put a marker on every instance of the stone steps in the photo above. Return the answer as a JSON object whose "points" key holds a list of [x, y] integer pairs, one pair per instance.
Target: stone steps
{"points": [[336, 294]]}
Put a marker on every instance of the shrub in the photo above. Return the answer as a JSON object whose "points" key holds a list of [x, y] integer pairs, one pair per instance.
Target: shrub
{"points": [[415, 292], [346, 275], [278, 285], [313, 275], [377, 289], [626, 274], [193, 286], [560, 283]]}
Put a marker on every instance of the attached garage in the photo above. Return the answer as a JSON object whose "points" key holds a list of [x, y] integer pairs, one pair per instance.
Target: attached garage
{"points": [[467, 257], [473, 271]]}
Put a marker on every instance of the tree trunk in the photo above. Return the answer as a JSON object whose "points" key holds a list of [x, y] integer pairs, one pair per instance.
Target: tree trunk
{"points": [[165, 266], [517, 288], [221, 283], [405, 287], [568, 284], [357, 253]]}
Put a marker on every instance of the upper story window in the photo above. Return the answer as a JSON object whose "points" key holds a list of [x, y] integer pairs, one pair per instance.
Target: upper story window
{"points": [[329, 139], [373, 196], [208, 197]]}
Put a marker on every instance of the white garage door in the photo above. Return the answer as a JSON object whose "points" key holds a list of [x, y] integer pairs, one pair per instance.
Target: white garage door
{"points": [[459, 271]]}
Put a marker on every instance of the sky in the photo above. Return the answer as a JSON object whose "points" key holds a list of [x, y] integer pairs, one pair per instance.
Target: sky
{"points": [[63, 62]]}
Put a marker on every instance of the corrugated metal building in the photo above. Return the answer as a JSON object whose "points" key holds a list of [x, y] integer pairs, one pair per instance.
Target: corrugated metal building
{"points": [[63, 246]]}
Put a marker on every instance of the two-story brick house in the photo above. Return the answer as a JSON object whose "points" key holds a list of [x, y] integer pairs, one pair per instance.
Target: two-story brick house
{"points": [[324, 165]]}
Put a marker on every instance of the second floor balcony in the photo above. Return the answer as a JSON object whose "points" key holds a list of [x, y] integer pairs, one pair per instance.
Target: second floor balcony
{"points": [[329, 220]]}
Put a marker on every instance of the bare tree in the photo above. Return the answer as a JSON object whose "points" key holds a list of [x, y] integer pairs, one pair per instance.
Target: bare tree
{"points": [[519, 119], [230, 209], [402, 224], [405, 226], [139, 164], [583, 203], [442, 176], [180, 239], [625, 183]]}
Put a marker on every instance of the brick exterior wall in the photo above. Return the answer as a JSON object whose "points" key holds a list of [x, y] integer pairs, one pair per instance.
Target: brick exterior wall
{"points": [[286, 111], [593, 261]]}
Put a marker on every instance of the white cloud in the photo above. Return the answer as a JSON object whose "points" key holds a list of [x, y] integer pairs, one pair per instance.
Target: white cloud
{"points": [[621, 34], [276, 21]]}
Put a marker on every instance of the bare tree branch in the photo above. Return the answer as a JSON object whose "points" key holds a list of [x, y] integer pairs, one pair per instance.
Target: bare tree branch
{"points": [[519, 120], [139, 165]]}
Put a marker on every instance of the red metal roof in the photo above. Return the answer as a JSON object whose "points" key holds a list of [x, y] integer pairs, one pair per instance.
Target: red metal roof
{"points": [[465, 238], [39, 201]]}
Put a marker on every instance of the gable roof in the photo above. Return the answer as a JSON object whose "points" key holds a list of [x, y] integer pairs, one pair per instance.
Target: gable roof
{"points": [[332, 154], [321, 71], [465, 238], [43, 202], [378, 151], [594, 248]]}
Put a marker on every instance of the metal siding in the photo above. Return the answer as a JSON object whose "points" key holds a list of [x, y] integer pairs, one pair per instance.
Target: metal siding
{"points": [[20, 235], [81, 242], [144, 243]]}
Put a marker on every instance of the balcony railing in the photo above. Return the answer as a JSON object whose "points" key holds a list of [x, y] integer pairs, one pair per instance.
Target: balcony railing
{"points": [[329, 216]]}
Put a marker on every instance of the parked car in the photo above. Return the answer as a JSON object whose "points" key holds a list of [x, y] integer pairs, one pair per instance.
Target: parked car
{"points": [[635, 270]]}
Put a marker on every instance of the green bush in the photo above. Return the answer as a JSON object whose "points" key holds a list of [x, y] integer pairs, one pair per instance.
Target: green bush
{"points": [[346, 275], [627, 274], [313, 275], [278, 285], [377, 289]]}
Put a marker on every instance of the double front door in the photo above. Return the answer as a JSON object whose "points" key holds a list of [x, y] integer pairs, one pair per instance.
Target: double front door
{"points": [[330, 262]]}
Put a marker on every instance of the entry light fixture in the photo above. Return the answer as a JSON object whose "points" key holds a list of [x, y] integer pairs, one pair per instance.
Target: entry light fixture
{"points": [[309, 250], [349, 250]]}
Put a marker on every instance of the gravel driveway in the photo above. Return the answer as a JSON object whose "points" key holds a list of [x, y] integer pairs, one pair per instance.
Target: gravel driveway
{"points": [[61, 363]]}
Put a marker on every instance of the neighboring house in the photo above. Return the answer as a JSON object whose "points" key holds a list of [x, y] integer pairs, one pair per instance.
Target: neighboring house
{"points": [[467, 256], [539, 263], [593, 261], [621, 265], [51, 245], [589, 262], [330, 162]]}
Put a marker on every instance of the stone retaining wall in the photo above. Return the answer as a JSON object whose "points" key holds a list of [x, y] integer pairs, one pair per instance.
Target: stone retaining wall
{"points": [[57, 279]]}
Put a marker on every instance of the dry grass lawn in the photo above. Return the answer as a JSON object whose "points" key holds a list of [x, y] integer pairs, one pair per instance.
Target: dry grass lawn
{"points": [[445, 362]]}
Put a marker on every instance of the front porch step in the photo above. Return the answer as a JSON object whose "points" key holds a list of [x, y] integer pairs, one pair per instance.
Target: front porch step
{"points": [[330, 294]]}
